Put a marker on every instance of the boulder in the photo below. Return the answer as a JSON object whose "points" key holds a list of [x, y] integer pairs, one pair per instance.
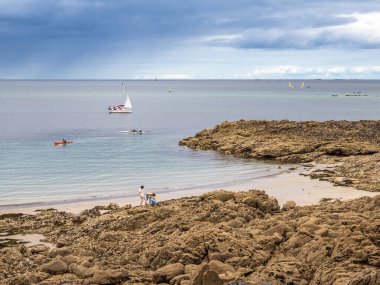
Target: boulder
{"points": [[211, 278], [143, 261], [180, 279], [38, 249], [55, 266], [220, 267], [108, 277], [197, 275], [289, 205], [220, 195], [168, 272], [189, 268]]}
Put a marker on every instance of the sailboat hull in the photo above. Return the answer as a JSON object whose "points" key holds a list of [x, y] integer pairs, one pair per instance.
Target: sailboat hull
{"points": [[120, 111]]}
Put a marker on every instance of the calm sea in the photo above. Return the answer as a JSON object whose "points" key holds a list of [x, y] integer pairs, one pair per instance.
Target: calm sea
{"points": [[106, 162]]}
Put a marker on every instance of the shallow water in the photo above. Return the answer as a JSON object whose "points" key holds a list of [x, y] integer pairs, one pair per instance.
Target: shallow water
{"points": [[104, 162]]}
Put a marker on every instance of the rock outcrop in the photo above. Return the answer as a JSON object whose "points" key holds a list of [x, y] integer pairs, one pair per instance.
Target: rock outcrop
{"points": [[217, 238], [353, 146]]}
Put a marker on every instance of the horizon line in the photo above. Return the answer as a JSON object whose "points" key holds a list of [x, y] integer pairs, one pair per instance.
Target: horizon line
{"points": [[179, 79]]}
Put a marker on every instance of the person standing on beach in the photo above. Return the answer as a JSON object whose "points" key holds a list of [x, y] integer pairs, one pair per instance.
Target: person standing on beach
{"points": [[142, 196]]}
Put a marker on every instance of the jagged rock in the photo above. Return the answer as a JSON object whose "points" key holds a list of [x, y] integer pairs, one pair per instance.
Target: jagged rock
{"points": [[10, 215], [55, 266], [220, 195], [166, 273], [190, 268], [82, 271], [38, 249], [59, 251], [179, 279], [329, 243], [356, 144], [220, 267], [211, 278], [108, 277], [197, 275], [70, 259], [143, 261], [289, 205], [372, 278]]}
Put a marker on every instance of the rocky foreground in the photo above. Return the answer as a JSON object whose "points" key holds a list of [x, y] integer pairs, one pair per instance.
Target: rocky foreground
{"points": [[354, 147], [217, 238]]}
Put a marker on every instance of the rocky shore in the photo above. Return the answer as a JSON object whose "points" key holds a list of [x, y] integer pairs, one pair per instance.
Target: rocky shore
{"points": [[353, 147], [217, 238], [221, 237]]}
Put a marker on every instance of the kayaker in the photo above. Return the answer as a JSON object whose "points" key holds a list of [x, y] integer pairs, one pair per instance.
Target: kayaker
{"points": [[64, 141]]}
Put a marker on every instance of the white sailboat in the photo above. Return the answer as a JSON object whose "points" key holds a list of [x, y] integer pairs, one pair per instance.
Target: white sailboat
{"points": [[302, 85], [125, 108], [290, 85]]}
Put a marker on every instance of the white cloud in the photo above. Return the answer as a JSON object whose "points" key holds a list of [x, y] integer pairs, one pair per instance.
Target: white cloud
{"points": [[325, 72], [361, 30], [175, 76], [220, 39], [364, 30]]}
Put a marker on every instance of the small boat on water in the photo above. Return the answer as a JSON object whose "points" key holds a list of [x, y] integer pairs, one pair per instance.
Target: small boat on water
{"points": [[125, 108], [62, 143], [135, 132], [357, 93]]}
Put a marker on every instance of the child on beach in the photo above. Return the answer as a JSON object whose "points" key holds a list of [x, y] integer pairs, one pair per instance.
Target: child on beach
{"points": [[151, 198], [142, 196]]}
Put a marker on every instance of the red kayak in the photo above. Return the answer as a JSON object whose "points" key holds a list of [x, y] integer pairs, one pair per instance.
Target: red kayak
{"points": [[62, 143]]}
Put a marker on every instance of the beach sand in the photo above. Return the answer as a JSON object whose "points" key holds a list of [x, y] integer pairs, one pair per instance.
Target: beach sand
{"points": [[284, 186]]}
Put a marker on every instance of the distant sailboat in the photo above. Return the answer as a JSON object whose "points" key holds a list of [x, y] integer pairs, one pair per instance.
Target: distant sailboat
{"points": [[170, 90], [290, 85], [125, 108], [302, 85]]}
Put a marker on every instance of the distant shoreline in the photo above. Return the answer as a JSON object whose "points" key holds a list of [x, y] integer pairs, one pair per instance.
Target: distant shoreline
{"points": [[200, 79]]}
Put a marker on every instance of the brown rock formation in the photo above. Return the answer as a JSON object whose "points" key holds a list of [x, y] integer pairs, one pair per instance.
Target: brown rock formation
{"points": [[354, 144], [220, 237]]}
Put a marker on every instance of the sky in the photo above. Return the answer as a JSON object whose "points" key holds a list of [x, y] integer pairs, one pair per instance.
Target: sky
{"points": [[192, 39]]}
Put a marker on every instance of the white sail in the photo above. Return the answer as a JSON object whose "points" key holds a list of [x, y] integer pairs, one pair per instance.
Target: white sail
{"points": [[128, 103]]}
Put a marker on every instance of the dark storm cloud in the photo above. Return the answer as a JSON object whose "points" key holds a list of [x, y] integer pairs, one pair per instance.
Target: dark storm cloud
{"points": [[48, 33]]}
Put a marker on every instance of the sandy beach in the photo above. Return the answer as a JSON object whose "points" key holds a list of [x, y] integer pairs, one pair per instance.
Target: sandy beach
{"points": [[288, 185]]}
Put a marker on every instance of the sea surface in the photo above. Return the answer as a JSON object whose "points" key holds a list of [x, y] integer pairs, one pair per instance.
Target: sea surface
{"points": [[104, 161]]}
